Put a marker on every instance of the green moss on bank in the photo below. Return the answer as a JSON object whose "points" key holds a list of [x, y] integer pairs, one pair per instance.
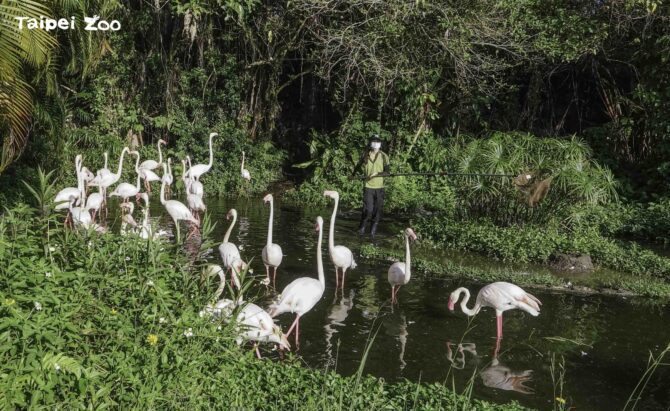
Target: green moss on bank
{"points": [[650, 287]]}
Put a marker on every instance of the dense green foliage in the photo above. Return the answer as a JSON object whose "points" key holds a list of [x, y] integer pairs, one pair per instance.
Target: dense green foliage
{"points": [[538, 243], [107, 328]]}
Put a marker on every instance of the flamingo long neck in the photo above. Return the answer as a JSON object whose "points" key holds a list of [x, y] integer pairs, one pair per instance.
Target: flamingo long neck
{"points": [[137, 170], [162, 189], [242, 166], [118, 170], [222, 284], [170, 168], [319, 259], [160, 153], [474, 310], [230, 229], [211, 152], [105, 155], [270, 222], [331, 231], [408, 272]]}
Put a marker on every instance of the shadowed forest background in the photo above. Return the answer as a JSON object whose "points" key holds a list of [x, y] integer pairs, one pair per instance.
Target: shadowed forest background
{"points": [[577, 89]]}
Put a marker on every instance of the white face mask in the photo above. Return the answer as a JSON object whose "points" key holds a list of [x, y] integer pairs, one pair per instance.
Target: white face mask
{"points": [[376, 145]]}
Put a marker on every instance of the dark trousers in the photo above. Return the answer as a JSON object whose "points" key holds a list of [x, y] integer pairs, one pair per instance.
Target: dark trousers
{"points": [[373, 202]]}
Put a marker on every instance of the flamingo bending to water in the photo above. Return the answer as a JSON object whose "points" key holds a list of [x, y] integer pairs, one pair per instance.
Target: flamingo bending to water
{"points": [[272, 253], [500, 296], [302, 294], [400, 272], [177, 210], [341, 256], [127, 190]]}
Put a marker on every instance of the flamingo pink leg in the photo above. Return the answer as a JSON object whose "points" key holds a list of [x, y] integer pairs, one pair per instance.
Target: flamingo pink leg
{"points": [[497, 350], [500, 325], [344, 272], [290, 330], [393, 294], [274, 278], [258, 353], [267, 273], [337, 279]]}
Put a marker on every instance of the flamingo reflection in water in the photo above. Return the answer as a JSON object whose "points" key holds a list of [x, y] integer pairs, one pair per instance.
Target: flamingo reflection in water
{"points": [[500, 376], [339, 312], [458, 361], [496, 375], [398, 329]]}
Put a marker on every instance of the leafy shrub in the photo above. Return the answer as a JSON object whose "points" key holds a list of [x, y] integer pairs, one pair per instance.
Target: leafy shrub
{"points": [[537, 243]]}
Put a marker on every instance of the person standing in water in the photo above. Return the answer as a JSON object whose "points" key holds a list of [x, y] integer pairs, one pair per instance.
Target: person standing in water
{"points": [[375, 164]]}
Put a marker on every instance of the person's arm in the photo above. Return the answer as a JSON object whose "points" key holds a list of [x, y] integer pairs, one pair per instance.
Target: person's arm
{"points": [[358, 165], [386, 169]]}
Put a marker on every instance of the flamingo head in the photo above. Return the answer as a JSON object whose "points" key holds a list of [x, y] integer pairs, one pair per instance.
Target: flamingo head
{"points": [[451, 304], [213, 270], [279, 338], [332, 194], [88, 175], [161, 141], [212, 135], [135, 153], [267, 198], [128, 206], [319, 224], [232, 213], [411, 234]]}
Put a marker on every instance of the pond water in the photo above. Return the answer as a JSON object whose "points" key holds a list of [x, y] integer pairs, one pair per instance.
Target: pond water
{"points": [[603, 341]]}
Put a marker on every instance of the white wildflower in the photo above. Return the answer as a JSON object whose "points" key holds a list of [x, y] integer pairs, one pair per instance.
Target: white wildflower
{"points": [[150, 283], [38, 306], [218, 328], [265, 281], [57, 366], [47, 274], [241, 247], [52, 249], [127, 258], [188, 333], [161, 320]]}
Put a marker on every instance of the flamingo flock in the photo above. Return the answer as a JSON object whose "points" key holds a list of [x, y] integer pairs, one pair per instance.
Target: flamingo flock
{"points": [[299, 297]]}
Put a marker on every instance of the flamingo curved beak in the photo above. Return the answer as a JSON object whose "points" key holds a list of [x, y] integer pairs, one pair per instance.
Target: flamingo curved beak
{"points": [[451, 304]]}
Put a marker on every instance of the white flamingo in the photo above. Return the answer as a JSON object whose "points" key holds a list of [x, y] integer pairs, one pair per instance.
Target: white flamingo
{"points": [[63, 197], [224, 307], [127, 190], [153, 164], [149, 177], [230, 255], [94, 202], [272, 253], [168, 178], [500, 296], [177, 210], [145, 230], [128, 223], [198, 170], [196, 205], [80, 216], [341, 256], [302, 294], [193, 186], [257, 325], [400, 273], [243, 171], [104, 170], [105, 179]]}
